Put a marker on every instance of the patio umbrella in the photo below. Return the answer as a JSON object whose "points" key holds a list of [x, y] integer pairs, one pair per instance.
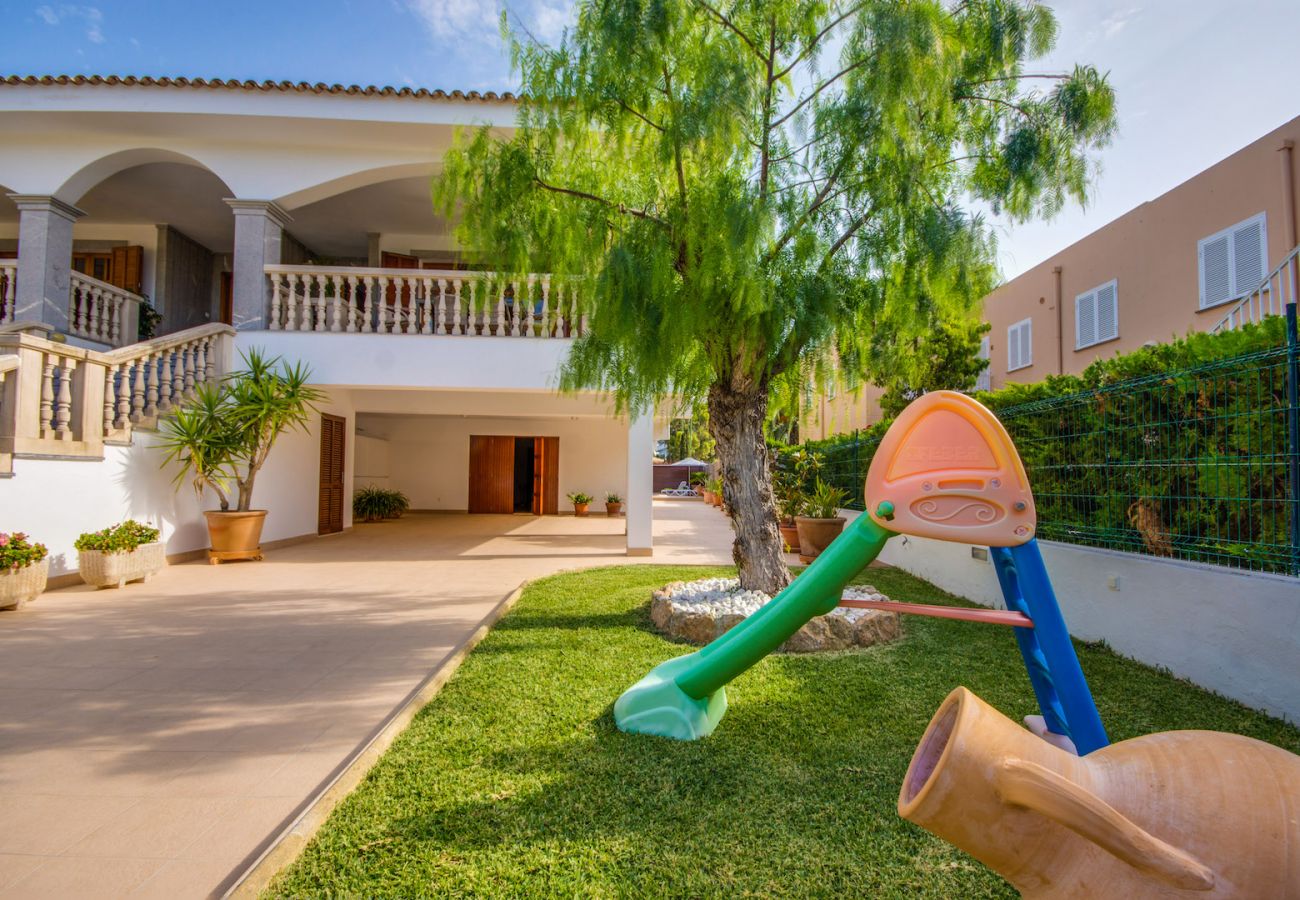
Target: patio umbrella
{"points": [[691, 462]]}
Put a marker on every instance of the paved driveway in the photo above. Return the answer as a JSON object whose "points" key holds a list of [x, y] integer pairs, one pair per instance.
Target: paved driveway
{"points": [[153, 740]]}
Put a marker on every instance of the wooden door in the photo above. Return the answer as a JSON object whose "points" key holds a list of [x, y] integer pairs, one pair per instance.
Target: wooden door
{"points": [[329, 518], [227, 312], [491, 473], [128, 268], [548, 450]]}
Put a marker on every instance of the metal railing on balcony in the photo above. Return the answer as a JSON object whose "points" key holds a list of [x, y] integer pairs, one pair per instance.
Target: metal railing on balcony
{"points": [[421, 301], [1270, 298]]}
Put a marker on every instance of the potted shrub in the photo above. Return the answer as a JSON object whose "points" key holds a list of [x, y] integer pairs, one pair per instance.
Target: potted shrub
{"points": [[223, 435], [698, 482], [613, 504], [790, 473], [715, 489], [580, 502], [821, 522], [395, 503], [24, 569], [130, 551], [368, 504]]}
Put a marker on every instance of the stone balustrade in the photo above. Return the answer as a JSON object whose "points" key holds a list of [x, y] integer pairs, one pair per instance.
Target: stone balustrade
{"points": [[102, 312], [421, 301], [8, 289], [63, 401]]}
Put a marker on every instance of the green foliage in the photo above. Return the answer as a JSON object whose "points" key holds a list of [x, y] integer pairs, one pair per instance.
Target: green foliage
{"points": [[148, 320], [792, 473], [122, 538], [225, 432], [372, 503], [691, 438], [578, 498], [945, 358], [17, 552], [1174, 450], [612, 497], [825, 501], [514, 782], [735, 199]]}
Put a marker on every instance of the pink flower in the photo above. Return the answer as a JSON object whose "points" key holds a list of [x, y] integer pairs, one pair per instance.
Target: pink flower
{"points": [[4, 539]]}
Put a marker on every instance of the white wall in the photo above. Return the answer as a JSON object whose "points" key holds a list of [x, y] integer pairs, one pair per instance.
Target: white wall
{"points": [[429, 456], [1234, 632], [370, 465], [54, 501]]}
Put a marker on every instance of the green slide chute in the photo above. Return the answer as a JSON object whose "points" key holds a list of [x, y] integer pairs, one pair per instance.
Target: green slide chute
{"points": [[684, 698]]}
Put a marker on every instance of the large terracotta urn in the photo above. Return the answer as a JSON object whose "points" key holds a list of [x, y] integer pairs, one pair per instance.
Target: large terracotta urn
{"points": [[815, 535], [1173, 814], [235, 535]]}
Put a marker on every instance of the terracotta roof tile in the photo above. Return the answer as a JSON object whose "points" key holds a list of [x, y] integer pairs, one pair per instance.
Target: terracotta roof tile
{"points": [[285, 87]]}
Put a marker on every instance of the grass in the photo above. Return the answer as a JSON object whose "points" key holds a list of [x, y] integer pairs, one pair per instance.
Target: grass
{"points": [[514, 781]]}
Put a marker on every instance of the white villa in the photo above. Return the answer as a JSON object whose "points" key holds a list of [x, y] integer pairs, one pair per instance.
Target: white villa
{"points": [[295, 218]]}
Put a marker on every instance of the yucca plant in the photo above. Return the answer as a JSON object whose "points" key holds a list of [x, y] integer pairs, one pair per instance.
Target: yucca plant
{"points": [[222, 436], [369, 504]]}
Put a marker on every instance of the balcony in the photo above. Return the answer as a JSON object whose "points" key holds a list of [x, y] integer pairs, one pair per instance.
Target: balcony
{"points": [[98, 312]]}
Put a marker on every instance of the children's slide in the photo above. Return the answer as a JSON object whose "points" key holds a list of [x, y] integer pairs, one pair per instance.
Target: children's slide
{"points": [[946, 469]]}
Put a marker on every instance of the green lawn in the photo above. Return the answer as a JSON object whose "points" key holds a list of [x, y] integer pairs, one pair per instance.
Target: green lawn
{"points": [[515, 782]]}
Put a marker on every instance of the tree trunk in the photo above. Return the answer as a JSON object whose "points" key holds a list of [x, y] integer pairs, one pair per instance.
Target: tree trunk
{"points": [[736, 417]]}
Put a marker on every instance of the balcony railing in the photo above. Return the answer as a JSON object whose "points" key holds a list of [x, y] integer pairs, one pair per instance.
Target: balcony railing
{"points": [[421, 301], [8, 289], [102, 312], [1269, 299]]}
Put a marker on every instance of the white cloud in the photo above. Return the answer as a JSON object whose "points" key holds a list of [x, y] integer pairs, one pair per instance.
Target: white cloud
{"points": [[1114, 23], [89, 17], [549, 21], [446, 19]]}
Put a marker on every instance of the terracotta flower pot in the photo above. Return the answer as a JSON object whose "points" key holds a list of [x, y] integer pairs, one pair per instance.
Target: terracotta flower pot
{"points": [[1173, 814], [717, 500], [18, 586], [708, 497], [790, 534], [815, 535], [235, 535], [580, 509], [613, 509]]}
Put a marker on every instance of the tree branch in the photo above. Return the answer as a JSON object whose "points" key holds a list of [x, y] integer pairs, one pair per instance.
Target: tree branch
{"points": [[732, 27], [821, 87], [812, 45], [998, 100], [610, 204], [848, 233], [767, 116], [628, 109]]}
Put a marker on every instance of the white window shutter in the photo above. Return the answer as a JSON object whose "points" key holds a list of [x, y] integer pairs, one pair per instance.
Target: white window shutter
{"points": [[1027, 342], [1013, 348], [984, 381], [1107, 312], [1247, 256], [1216, 276], [1085, 320]]}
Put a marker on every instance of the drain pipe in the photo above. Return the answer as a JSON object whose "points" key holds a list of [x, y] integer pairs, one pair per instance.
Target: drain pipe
{"points": [[1060, 333], [1288, 194]]}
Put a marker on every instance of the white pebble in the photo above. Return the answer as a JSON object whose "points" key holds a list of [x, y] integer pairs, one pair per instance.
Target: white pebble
{"points": [[722, 596]]}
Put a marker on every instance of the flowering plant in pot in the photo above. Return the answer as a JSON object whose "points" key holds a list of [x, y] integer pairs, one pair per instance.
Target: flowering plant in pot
{"points": [[24, 569], [223, 435], [613, 504], [580, 502], [820, 522], [126, 552]]}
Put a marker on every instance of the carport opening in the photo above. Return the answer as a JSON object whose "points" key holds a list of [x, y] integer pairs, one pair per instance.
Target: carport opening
{"points": [[526, 483]]}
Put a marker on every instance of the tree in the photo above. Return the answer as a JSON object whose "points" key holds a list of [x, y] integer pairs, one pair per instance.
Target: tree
{"points": [[738, 187], [690, 437], [945, 358]]}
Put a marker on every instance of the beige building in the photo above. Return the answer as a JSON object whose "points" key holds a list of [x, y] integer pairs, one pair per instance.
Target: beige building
{"points": [[1176, 264]]}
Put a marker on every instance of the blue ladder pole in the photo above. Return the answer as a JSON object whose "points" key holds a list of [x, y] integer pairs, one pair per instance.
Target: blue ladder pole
{"points": [[1036, 665], [1085, 727]]}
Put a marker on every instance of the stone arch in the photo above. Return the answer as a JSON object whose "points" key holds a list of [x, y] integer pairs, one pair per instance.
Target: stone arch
{"points": [[353, 180], [91, 174]]}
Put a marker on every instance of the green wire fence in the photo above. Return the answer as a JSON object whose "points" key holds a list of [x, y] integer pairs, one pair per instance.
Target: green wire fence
{"points": [[1199, 464]]}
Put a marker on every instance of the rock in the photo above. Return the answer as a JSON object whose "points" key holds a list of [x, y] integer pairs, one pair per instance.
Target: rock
{"points": [[699, 611]]}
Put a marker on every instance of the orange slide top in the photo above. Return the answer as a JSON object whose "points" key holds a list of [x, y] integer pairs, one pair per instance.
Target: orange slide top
{"points": [[950, 471]]}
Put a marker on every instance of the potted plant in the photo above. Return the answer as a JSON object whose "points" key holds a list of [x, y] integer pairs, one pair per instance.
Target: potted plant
{"points": [[580, 502], [395, 503], [130, 551], [821, 522], [223, 436], [715, 488], [790, 473], [24, 570], [698, 481], [613, 504], [368, 504]]}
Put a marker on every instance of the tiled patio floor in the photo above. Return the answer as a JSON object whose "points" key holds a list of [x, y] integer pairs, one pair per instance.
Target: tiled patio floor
{"points": [[152, 740]]}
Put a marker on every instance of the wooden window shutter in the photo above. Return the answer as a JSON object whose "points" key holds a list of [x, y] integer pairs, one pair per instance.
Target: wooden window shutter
{"points": [[128, 268], [1108, 311]]}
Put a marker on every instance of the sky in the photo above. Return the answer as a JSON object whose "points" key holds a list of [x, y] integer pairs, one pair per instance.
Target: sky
{"points": [[1195, 79]]}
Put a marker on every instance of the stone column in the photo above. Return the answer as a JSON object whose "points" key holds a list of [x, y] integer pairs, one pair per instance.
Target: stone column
{"points": [[640, 484], [44, 259], [259, 227]]}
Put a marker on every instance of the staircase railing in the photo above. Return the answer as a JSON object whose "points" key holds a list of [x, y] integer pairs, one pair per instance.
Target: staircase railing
{"points": [[1275, 291], [68, 402]]}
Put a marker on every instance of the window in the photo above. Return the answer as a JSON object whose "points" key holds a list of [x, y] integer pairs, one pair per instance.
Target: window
{"points": [[1096, 316], [1232, 262], [1020, 345], [983, 381]]}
